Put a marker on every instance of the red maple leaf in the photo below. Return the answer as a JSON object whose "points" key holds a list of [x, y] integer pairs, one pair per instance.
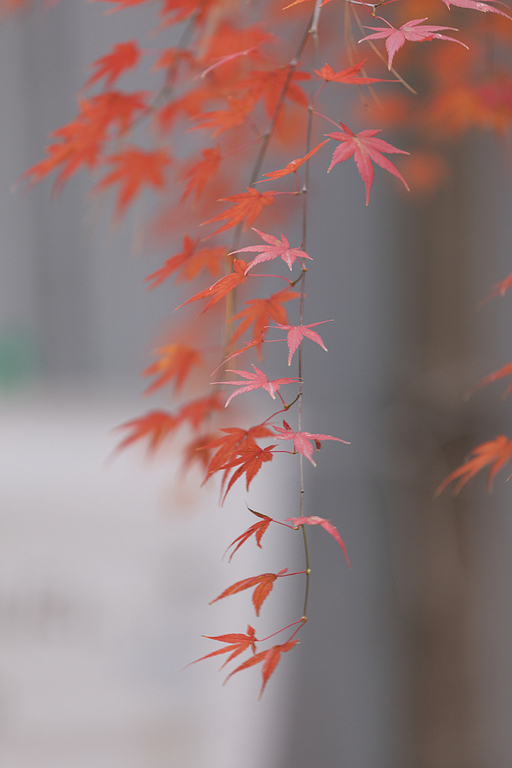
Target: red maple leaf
{"points": [[155, 425], [302, 440], [234, 441], [269, 85], [176, 362], [500, 288], [395, 38], [257, 380], [222, 287], [190, 261], [201, 172], [365, 148], [223, 119], [506, 370], [270, 659], [496, 452], [326, 525], [477, 5], [263, 583], [237, 643], [273, 250], [296, 333], [134, 168], [247, 207], [198, 410], [113, 107], [260, 312], [293, 166], [257, 530], [250, 461], [122, 57], [348, 76]]}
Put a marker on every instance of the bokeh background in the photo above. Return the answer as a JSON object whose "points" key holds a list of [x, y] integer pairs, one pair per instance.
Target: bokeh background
{"points": [[106, 567]]}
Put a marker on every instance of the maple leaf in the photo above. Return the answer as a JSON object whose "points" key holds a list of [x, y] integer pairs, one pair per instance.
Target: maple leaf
{"points": [[496, 452], [302, 440], [293, 166], [500, 288], [201, 172], [223, 119], [326, 525], [191, 263], [365, 148], [297, 332], [247, 206], [198, 410], [155, 425], [122, 57], [237, 643], [263, 583], [269, 659], [176, 362], [477, 5], [81, 145], [273, 250], [250, 460], [269, 85], [506, 370], [395, 38], [111, 107], [260, 312], [222, 287], [232, 442], [348, 76], [257, 530], [257, 380], [134, 168], [193, 453]]}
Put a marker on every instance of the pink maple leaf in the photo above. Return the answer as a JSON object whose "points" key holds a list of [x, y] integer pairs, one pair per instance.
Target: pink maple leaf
{"points": [[302, 440], [395, 38], [477, 5], [257, 380], [297, 332], [326, 525], [365, 148], [273, 250]]}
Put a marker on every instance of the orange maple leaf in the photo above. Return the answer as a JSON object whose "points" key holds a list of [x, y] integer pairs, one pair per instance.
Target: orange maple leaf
{"points": [[496, 452], [134, 169], [176, 362], [201, 172], [222, 287], [261, 311], [247, 206], [499, 288], [122, 57], [198, 410], [237, 643], [270, 659], [263, 583], [293, 166]]}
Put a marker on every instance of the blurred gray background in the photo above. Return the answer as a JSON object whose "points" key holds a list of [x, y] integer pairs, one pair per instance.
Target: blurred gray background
{"points": [[406, 660]]}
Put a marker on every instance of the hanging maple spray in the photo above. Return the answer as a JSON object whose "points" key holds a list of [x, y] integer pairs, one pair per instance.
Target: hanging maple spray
{"points": [[230, 78]]}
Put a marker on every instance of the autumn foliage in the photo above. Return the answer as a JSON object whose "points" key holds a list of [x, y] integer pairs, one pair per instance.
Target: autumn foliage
{"points": [[245, 88]]}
